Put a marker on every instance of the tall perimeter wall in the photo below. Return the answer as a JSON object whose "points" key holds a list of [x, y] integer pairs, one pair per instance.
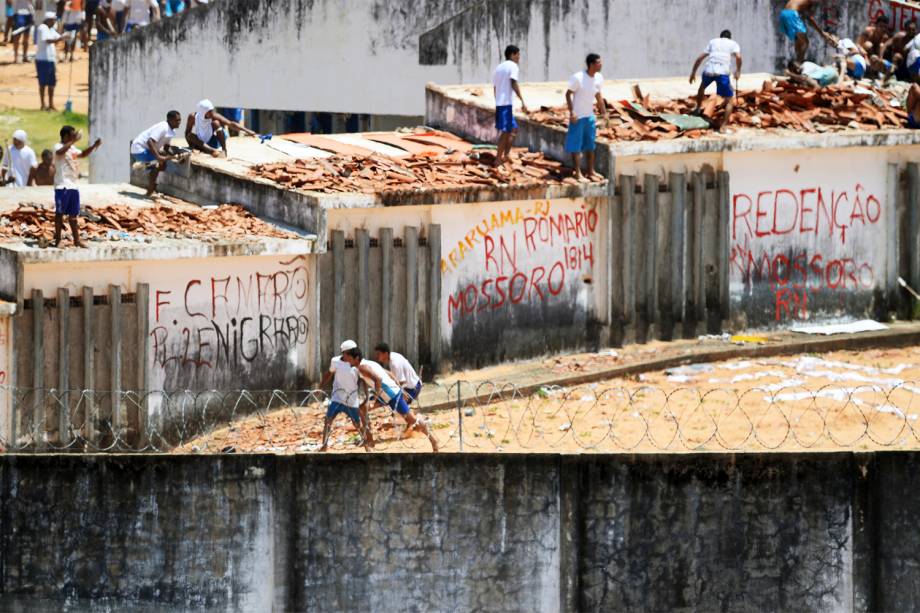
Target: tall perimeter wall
{"points": [[375, 57], [771, 532]]}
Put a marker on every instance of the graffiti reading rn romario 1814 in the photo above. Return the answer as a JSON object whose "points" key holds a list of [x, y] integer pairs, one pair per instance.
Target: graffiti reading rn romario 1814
{"points": [[230, 319], [804, 241], [523, 253]]}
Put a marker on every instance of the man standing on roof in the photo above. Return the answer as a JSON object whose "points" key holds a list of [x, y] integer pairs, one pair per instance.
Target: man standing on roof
{"points": [[504, 83], [387, 391], [152, 147], [718, 56], [206, 129], [20, 162], [793, 26], [346, 398], [66, 175], [397, 364], [584, 90]]}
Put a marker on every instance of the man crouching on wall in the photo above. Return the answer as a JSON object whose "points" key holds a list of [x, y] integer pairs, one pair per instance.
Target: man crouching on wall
{"points": [[346, 398]]}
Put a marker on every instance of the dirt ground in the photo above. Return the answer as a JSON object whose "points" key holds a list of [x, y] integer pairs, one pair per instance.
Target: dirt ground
{"points": [[19, 85], [839, 401]]}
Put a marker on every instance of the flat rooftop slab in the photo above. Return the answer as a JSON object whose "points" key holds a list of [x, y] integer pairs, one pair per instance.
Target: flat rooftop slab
{"points": [[446, 106], [118, 222]]}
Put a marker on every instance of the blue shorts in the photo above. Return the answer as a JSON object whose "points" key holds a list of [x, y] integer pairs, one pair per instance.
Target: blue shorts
{"points": [[413, 392], [73, 27], [914, 68], [120, 17], [47, 73], [913, 124], [131, 26], [22, 21], [100, 35], [144, 157], [9, 10], [67, 202], [396, 402], [214, 143], [581, 135], [335, 408], [723, 84], [504, 119], [791, 24], [858, 72]]}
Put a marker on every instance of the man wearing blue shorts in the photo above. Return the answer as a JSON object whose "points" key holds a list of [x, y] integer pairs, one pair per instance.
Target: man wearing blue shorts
{"points": [[504, 84], [346, 398], [23, 20], [66, 175], [387, 391], [152, 147], [584, 90], [8, 24], [46, 37], [793, 26], [719, 55], [402, 370], [913, 107]]}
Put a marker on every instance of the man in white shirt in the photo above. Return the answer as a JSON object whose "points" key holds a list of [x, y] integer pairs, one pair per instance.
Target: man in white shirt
{"points": [[20, 162], [346, 397], [402, 370], [584, 90], [139, 13], [46, 37], [504, 84], [152, 147], [66, 175], [23, 20], [719, 55], [387, 391]]}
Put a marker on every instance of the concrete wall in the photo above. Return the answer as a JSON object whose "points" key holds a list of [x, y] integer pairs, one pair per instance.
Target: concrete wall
{"points": [[375, 57], [750, 532]]}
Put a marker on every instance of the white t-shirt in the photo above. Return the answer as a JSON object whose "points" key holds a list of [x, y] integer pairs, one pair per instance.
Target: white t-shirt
{"points": [[119, 5], [504, 74], [45, 38], [849, 49], [405, 374], [74, 17], [585, 88], [23, 7], [913, 50], [386, 380], [345, 383], [160, 132], [20, 162], [66, 167], [720, 52], [139, 11]]}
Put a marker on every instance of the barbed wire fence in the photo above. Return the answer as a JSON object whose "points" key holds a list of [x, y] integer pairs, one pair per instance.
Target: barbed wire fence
{"points": [[468, 417]]}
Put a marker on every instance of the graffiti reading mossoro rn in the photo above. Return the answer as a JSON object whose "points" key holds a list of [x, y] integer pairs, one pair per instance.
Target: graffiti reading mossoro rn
{"points": [[519, 254], [231, 319], [767, 232]]}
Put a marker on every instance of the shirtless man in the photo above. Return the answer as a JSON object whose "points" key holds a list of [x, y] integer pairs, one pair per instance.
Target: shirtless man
{"points": [[895, 50], [792, 24], [875, 36], [44, 173]]}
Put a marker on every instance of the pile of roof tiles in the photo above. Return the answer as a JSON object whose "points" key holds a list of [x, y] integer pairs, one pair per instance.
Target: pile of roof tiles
{"points": [[779, 104], [379, 174], [120, 222]]}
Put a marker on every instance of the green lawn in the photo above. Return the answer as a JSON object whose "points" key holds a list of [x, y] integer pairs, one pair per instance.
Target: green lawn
{"points": [[41, 126]]}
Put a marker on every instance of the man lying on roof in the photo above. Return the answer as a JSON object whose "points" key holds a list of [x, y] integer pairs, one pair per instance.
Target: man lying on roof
{"points": [[206, 129], [850, 54], [811, 75]]}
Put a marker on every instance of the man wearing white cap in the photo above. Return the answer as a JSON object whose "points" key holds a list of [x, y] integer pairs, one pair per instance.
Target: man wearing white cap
{"points": [[20, 161], [346, 397], [206, 131], [46, 59]]}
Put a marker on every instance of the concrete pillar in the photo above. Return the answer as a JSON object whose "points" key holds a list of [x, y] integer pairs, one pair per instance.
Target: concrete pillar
{"points": [[677, 185], [434, 295], [616, 248], [724, 210], [711, 269], [913, 206], [338, 275], [386, 284], [695, 250], [142, 302], [38, 367], [117, 417], [890, 289], [631, 255], [362, 244], [89, 372], [664, 263], [411, 314]]}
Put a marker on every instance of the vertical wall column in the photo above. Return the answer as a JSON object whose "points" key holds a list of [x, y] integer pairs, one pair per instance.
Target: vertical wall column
{"points": [[117, 417], [142, 302], [89, 371], [386, 283], [362, 244], [38, 368], [63, 366], [338, 281], [411, 246], [434, 294]]}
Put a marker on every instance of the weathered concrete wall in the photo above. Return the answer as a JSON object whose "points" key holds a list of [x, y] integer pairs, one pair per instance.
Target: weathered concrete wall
{"points": [[375, 57], [751, 532]]}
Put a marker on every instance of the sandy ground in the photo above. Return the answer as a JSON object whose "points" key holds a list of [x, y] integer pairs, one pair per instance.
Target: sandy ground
{"points": [[19, 85], [839, 401]]}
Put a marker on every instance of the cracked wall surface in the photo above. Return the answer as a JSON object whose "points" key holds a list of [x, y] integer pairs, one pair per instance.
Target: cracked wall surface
{"points": [[748, 532]]}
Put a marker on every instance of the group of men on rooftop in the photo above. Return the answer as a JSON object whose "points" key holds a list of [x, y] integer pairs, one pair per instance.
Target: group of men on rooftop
{"points": [[878, 52]]}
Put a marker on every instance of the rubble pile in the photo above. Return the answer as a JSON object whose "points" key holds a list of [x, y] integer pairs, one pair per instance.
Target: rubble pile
{"points": [[379, 174], [120, 222], [779, 104]]}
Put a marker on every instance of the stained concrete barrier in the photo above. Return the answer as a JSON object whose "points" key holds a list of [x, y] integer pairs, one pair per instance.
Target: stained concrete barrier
{"points": [[487, 532]]}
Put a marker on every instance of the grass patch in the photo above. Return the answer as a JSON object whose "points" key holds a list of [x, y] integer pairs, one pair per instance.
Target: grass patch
{"points": [[41, 126]]}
